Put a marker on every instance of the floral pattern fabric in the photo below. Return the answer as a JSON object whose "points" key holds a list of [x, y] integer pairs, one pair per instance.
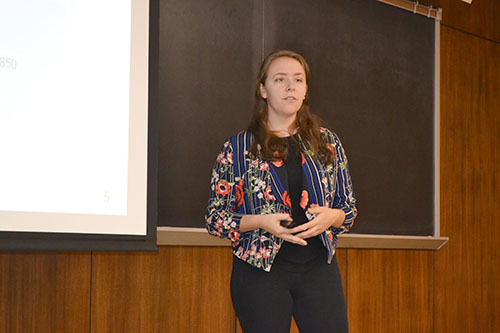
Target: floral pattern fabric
{"points": [[243, 184]]}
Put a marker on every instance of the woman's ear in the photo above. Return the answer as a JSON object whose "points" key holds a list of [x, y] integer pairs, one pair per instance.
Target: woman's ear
{"points": [[263, 92]]}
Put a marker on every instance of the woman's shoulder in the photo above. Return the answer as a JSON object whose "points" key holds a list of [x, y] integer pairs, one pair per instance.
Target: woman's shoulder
{"points": [[328, 135], [240, 135], [239, 140]]}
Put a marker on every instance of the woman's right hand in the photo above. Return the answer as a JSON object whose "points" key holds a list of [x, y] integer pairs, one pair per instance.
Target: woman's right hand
{"points": [[272, 224]]}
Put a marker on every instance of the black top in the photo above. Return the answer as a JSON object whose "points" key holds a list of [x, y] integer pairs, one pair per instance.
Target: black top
{"points": [[294, 257]]}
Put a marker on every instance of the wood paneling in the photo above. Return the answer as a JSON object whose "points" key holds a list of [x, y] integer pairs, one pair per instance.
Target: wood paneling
{"points": [[44, 292], [196, 295], [390, 291], [479, 18], [126, 292], [178, 289], [467, 269]]}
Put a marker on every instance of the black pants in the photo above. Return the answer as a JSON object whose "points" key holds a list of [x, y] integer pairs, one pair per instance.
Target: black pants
{"points": [[265, 302]]}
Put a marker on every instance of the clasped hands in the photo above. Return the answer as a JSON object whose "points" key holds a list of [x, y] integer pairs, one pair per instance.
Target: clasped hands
{"points": [[325, 217]]}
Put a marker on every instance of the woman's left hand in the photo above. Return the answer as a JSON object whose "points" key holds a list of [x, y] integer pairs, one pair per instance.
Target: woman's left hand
{"points": [[324, 219]]}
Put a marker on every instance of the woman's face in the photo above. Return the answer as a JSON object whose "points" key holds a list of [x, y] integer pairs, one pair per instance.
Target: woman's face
{"points": [[285, 87]]}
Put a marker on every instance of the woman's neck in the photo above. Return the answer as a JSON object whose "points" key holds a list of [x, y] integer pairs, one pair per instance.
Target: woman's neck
{"points": [[281, 127]]}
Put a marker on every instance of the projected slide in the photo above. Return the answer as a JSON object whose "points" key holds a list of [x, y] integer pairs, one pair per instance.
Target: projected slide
{"points": [[65, 106]]}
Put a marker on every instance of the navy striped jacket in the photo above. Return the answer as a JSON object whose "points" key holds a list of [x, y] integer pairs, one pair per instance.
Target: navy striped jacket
{"points": [[244, 184]]}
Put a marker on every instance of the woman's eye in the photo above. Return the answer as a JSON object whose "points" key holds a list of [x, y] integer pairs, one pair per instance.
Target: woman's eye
{"points": [[278, 79], [299, 80]]}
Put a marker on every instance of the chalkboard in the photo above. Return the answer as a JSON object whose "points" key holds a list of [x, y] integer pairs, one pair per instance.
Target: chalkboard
{"points": [[372, 83]]}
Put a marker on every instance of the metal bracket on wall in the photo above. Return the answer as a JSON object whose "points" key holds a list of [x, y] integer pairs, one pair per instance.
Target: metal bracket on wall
{"points": [[416, 8]]}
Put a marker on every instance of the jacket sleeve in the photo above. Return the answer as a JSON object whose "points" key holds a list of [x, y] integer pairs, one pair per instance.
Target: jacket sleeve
{"points": [[344, 197], [222, 219]]}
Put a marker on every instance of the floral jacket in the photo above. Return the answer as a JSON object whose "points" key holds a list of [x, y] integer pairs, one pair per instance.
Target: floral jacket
{"points": [[244, 184]]}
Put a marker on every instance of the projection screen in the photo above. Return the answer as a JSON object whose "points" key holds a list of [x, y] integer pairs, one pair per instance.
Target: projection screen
{"points": [[74, 123]]}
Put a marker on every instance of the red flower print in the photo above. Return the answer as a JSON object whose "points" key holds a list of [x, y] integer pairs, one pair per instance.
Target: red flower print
{"points": [[253, 249], [286, 199], [331, 147], [330, 236], [239, 193], [234, 235], [265, 252], [303, 158], [304, 199], [253, 164], [268, 193], [223, 188], [264, 166]]}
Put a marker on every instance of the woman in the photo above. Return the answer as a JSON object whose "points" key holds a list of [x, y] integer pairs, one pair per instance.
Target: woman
{"points": [[281, 191]]}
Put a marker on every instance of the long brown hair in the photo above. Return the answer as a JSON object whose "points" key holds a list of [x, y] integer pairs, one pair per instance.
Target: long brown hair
{"points": [[306, 124]]}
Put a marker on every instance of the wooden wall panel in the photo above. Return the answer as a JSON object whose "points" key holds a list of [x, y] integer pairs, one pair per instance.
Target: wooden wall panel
{"points": [[44, 292], [179, 289], [196, 295], [390, 291], [467, 269], [126, 292], [479, 18]]}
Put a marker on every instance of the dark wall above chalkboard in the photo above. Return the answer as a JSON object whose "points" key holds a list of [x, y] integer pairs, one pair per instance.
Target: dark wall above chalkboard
{"points": [[372, 83]]}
